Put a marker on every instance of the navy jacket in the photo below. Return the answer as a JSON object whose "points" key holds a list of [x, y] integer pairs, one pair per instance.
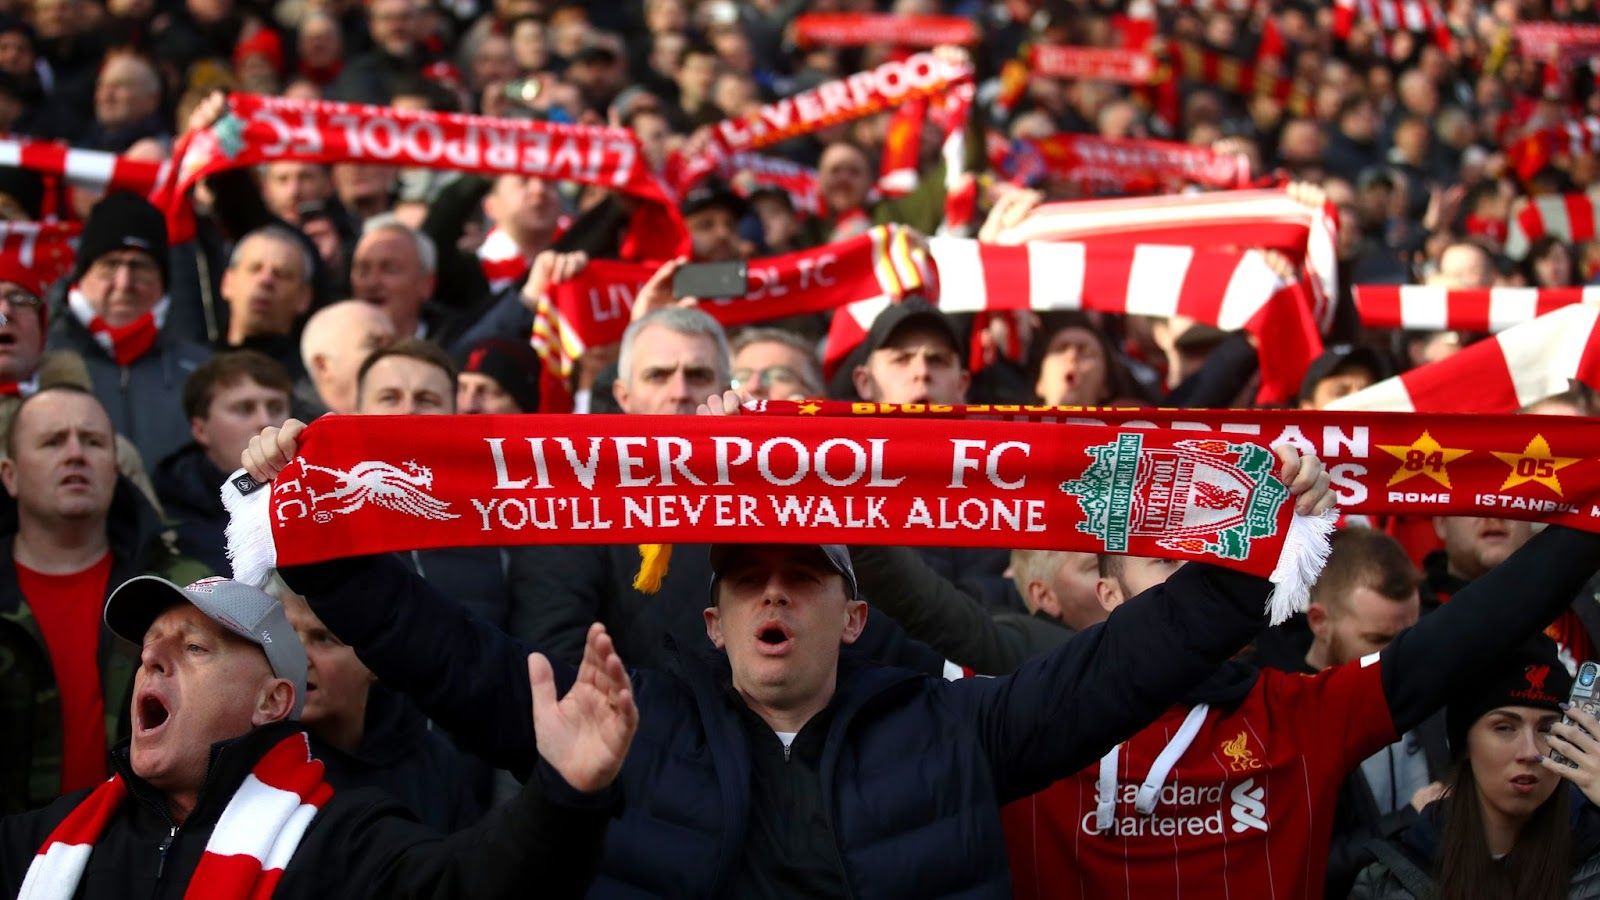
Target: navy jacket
{"points": [[914, 768]]}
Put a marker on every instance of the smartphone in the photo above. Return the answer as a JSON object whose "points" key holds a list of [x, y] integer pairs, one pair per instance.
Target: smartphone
{"points": [[1586, 696], [711, 281]]}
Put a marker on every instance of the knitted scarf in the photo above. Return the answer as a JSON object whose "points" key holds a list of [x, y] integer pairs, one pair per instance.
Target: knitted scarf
{"points": [[249, 846], [125, 344]]}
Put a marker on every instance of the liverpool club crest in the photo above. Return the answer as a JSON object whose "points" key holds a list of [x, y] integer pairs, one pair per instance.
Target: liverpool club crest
{"points": [[1201, 496]]}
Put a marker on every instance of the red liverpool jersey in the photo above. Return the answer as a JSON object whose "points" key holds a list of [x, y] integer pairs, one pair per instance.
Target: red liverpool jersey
{"points": [[1246, 811]]}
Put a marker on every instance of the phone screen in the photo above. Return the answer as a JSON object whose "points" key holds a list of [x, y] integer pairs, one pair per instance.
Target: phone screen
{"points": [[711, 281]]}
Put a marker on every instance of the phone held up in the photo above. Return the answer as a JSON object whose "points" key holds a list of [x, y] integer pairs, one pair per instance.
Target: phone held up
{"points": [[1586, 696], [711, 281]]}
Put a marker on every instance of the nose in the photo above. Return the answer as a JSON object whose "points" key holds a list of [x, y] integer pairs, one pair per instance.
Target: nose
{"points": [[153, 655], [1533, 745]]}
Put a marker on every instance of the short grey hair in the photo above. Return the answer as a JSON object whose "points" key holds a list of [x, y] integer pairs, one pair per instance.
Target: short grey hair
{"points": [[768, 335], [427, 254], [283, 236], [684, 321]]}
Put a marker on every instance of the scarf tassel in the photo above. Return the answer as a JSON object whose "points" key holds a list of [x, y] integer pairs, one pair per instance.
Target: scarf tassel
{"points": [[653, 560], [1305, 552]]}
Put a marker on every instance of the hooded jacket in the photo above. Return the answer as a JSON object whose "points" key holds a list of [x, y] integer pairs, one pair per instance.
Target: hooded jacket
{"points": [[912, 771], [1409, 860], [360, 844], [30, 713]]}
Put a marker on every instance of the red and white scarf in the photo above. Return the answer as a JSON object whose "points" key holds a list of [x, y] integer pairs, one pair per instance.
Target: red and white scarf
{"points": [[1424, 308], [1564, 42], [125, 344], [249, 847], [498, 480], [1515, 368], [1534, 151], [258, 129], [593, 308], [501, 260], [1229, 288], [35, 255], [1237, 76], [1135, 166], [1570, 217], [1115, 65], [860, 29], [1423, 17], [86, 168]]}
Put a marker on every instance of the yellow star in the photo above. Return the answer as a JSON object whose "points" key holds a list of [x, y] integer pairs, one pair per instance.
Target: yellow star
{"points": [[810, 409], [1423, 456], [1535, 463]]}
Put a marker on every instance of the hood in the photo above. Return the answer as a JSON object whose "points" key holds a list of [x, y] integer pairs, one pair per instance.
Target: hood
{"points": [[1223, 690], [187, 480]]}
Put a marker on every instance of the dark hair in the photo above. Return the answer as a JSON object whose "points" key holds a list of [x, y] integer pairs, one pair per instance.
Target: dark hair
{"points": [[1365, 557], [66, 387], [1539, 866], [410, 348], [1119, 381], [227, 369], [1541, 248]]}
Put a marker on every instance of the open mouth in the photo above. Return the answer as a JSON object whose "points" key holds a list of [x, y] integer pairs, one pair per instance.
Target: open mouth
{"points": [[7, 339], [152, 713], [773, 638], [1525, 783]]}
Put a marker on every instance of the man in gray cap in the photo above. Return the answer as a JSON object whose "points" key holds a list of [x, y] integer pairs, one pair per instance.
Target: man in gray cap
{"points": [[218, 767]]}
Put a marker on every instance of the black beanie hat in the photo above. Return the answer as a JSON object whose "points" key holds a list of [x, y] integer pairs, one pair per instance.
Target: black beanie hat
{"points": [[1531, 675], [123, 221], [512, 365]]}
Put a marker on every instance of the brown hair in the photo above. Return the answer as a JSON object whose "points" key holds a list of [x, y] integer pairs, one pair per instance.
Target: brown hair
{"points": [[1539, 866], [1365, 557], [410, 348], [226, 370]]}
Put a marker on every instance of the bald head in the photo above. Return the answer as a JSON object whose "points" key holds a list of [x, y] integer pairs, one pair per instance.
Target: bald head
{"points": [[335, 342], [1465, 265]]}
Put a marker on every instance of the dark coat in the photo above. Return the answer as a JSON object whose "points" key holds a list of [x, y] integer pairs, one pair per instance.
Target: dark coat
{"points": [[359, 845], [30, 707], [143, 398], [913, 769], [189, 486]]}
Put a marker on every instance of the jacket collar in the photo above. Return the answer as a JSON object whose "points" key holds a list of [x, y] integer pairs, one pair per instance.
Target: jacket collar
{"points": [[230, 761]]}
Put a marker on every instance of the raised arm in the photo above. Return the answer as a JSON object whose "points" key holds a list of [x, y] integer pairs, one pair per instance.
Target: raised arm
{"points": [[1510, 603]]}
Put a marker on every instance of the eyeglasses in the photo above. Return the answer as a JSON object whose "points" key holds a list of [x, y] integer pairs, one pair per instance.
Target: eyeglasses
{"points": [[140, 269], [18, 300], [769, 378]]}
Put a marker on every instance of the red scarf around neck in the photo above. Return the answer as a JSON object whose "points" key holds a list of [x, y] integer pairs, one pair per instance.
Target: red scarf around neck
{"points": [[126, 344]]}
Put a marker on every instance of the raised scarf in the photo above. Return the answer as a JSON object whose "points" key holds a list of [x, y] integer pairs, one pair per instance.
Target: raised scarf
{"points": [[1425, 308], [1120, 66], [501, 260], [374, 484], [249, 847], [1534, 151], [1538, 468], [1130, 166], [592, 309], [1570, 217], [125, 344], [1517, 367], [861, 29]]}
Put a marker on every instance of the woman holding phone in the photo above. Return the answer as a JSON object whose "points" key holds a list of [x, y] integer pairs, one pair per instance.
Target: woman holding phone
{"points": [[1513, 822]]}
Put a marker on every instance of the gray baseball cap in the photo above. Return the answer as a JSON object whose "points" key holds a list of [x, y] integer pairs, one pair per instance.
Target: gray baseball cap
{"points": [[248, 612], [834, 556]]}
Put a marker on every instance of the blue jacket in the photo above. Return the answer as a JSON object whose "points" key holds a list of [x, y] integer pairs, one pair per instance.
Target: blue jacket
{"points": [[914, 769]]}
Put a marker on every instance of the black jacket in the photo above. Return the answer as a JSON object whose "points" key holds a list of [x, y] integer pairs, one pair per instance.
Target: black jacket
{"points": [[189, 486], [558, 591], [407, 760], [359, 845], [30, 707], [913, 769]]}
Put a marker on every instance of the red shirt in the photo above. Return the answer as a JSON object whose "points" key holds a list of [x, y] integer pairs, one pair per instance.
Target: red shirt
{"points": [[1247, 811], [68, 609]]}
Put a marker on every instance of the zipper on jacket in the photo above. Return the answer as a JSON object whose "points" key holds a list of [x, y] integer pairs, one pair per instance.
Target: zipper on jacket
{"points": [[162, 848]]}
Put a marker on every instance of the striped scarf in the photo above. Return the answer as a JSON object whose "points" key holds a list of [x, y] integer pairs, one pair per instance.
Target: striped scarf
{"points": [[249, 846], [1570, 217]]}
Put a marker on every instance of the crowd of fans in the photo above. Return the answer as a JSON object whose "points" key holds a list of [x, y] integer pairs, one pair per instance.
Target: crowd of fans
{"points": [[1386, 744]]}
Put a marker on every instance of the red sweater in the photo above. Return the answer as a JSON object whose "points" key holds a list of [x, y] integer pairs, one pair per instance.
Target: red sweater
{"points": [[1247, 810]]}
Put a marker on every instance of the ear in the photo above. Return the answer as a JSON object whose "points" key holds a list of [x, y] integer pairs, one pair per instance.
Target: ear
{"points": [[1317, 618], [1109, 593], [619, 391], [1438, 527], [197, 430], [274, 703], [8, 475], [302, 300], [714, 626], [863, 382], [1044, 600], [966, 382], [319, 365], [429, 283], [855, 620]]}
